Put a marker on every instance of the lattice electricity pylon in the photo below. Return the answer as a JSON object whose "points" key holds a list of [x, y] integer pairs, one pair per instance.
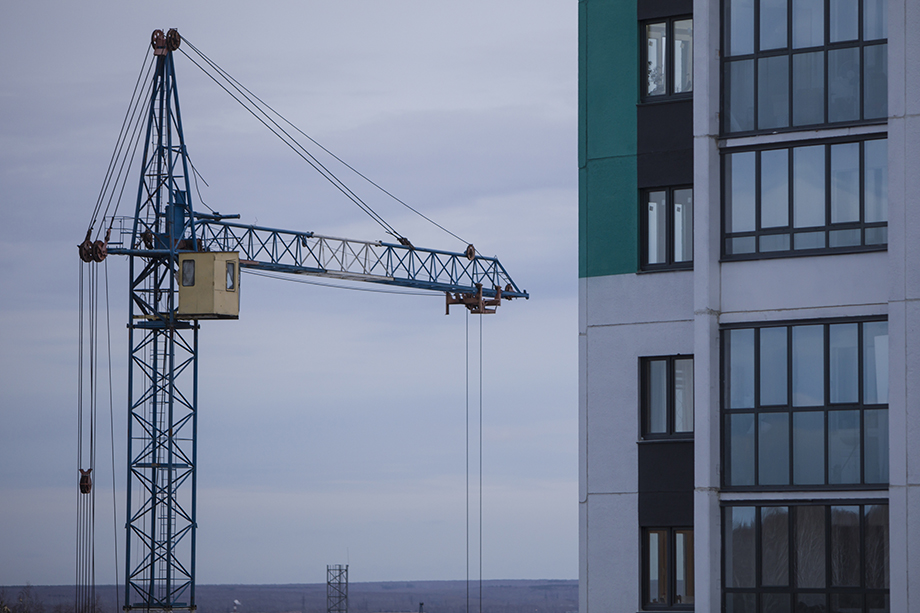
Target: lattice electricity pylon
{"points": [[337, 588], [163, 374]]}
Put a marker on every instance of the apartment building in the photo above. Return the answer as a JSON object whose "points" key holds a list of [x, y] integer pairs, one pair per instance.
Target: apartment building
{"points": [[749, 327]]}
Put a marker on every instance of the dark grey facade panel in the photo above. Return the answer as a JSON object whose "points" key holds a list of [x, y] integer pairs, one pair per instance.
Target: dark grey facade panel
{"points": [[665, 169], [656, 9], [666, 466], [666, 483], [660, 509], [665, 143]]}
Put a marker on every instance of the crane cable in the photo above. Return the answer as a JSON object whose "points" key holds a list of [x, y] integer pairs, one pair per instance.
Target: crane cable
{"points": [[259, 106], [287, 277], [327, 151], [88, 390], [127, 143], [468, 463], [255, 110], [85, 597]]}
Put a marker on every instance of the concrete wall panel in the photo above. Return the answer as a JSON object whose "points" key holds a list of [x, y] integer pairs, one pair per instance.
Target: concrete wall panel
{"points": [[790, 284], [646, 298], [613, 554]]}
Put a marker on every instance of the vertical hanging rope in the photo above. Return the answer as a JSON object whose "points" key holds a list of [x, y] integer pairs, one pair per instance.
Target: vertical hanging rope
{"points": [[467, 462], [87, 362], [79, 533], [480, 463]]}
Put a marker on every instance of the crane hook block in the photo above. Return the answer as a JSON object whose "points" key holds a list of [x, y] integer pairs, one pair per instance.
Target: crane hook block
{"points": [[86, 481]]}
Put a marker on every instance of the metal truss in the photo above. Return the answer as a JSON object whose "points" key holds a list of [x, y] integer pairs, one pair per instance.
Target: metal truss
{"points": [[378, 262], [337, 588], [163, 373]]}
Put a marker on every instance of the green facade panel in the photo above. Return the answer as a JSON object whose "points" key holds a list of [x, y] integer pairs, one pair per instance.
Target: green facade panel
{"points": [[608, 93], [610, 209]]}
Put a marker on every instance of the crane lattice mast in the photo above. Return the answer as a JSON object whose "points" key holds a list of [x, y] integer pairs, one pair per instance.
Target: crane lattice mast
{"points": [[163, 373]]}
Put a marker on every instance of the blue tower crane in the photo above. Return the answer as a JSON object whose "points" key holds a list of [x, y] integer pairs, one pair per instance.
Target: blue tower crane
{"points": [[165, 240]]}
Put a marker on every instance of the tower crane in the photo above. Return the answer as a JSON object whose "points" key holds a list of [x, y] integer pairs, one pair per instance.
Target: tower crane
{"points": [[184, 266]]}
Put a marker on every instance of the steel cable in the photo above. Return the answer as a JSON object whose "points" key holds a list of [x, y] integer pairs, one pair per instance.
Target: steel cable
{"points": [[242, 87], [291, 142], [131, 115]]}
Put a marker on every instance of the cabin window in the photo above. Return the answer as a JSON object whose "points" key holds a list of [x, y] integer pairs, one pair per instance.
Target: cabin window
{"points": [[188, 273]]}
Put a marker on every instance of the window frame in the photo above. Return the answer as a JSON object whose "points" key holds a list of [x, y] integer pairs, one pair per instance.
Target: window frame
{"points": [[670, 410], [669, 94], [790, 230], [791, 409], [645, 575], [790, 51], [758, 590], [645, 237]]}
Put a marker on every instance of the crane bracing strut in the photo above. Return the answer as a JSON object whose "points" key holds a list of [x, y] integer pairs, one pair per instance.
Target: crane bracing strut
{"points": [[165, 240]]}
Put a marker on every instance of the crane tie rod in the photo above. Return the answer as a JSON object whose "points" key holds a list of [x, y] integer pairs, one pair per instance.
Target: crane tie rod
{"points": [[128, 139], [240, 87], [255, 110]]}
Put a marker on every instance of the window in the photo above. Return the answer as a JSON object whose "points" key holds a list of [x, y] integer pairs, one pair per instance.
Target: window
{"points": [[188, 273], [231, 276], [667, 573], [806, 557], [805, 199], [668, 58], [796, 63], [805, 406], [667, 222], [667, 396]]}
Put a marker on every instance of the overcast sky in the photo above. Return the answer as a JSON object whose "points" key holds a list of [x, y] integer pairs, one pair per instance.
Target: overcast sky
{"points": [[331, 422]]}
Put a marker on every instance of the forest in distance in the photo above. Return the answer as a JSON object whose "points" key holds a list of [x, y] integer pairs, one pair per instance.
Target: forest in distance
{"points": [[498, 596]]}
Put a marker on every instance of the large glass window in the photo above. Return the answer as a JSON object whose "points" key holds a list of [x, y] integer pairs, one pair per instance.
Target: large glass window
{"points": [[796, 63], [809, 198], [667, 396], [806, 557], [668, 58], [667, 573], [667, 228], [805, 405]]}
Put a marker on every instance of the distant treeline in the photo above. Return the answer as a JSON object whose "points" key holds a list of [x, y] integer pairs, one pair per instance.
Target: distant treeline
{"points": [[514, 596]]}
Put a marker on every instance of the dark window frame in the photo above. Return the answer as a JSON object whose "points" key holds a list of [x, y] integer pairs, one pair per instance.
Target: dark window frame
{"points": [[670, 95], [644, 398], [671, 568], [669, 263], [759, 590], [789, 229], [789, 51], [726, 413]]}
